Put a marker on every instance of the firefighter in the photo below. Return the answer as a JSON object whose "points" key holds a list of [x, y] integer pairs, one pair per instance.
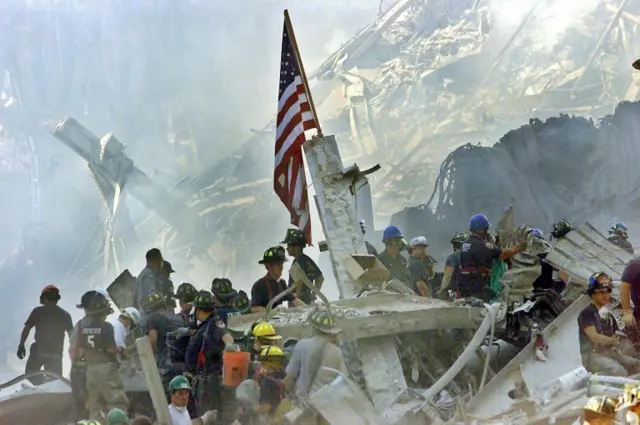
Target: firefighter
{"points": [[185, 295], [204, 360], [241, 304], [270, 407], [98, 348], [296, 240], [51, 323], [452, 264], [270, 285], [162, 329], [618, 235], [224, 293], [477, 257], [264, 335], [391, 258]]}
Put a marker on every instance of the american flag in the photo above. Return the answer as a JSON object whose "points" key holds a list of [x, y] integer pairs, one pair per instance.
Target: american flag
{"points": [[294, 117]]}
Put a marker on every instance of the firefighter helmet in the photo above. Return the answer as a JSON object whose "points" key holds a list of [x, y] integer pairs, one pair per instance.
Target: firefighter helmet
{"points": [[275, 254], [271, 352], [241, 303], [560, 229], [295, 237], [459, 237], [322, 320], [97, 304], [222, 288], [601, 406], [204, 299], [265, 330], [186, 293], [154, 300]]}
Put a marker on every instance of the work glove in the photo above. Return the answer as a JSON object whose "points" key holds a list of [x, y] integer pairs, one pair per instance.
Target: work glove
{"points": [[209, 417], [628, 319], [22, 352], [232, 348]]}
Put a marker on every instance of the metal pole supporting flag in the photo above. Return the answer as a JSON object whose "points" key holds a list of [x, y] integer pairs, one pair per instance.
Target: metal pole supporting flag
{"points": [[303, 75]]}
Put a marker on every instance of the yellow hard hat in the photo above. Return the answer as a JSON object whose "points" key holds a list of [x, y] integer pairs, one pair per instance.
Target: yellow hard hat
{"points": [[265, 330], [272, 352], [631, 398]]}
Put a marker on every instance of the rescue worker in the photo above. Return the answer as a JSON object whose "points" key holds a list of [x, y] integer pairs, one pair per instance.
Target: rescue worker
{"points": [[598, 332], [149, 279], [224, 293], [270, 285], [600, 410], [271, 408], [477, 257], [451, 276], [128, 319], [306, 371], [618, 235], [51, 323], [179, 392], [78, 373], [420, 266], [630, 291], [241, 304], [296, 241], [264, 335], [394, 244], [98, 348], [162, 328], [117, 417], [185, 294], [165, 277], [204, 361]]}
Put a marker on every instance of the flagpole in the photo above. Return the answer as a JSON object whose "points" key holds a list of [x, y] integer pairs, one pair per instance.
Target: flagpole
{"points": [[303, 75]]}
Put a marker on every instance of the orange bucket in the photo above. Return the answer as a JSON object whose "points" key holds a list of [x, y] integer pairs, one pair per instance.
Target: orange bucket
{"points": [[235, 367]]}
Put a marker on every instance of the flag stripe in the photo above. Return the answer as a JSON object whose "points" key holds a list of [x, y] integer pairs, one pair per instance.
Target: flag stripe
{"points": [[294, 118]]}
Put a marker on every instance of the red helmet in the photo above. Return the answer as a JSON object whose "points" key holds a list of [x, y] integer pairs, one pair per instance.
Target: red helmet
{"points": [[50, 288]]}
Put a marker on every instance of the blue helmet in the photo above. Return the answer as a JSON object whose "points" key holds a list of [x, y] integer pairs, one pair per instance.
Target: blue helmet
{"points": [[479, 222], [391, 232], [537, 233], [595, 285], [619, 228]]}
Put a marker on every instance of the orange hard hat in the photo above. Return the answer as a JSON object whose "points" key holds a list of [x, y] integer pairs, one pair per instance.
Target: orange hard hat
{"points": [[50, 288]]}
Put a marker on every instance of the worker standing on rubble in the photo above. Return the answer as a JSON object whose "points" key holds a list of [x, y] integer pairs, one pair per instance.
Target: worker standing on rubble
{"points": [[306, 371], [630, 290], [185, 294], [296, 241], [420, 266], [51, 323], [223, 291], [451, 276], [394, 244], [271, 284], [162, 328], [149, 279], [476, 259], [598, 332], [618, 235], [204, 360], [128, 319], [98, 348]]}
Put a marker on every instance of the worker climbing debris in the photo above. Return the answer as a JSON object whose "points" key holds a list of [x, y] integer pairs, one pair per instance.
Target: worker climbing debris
{"points": [[296, 240], [51, 323], [618, 235]]}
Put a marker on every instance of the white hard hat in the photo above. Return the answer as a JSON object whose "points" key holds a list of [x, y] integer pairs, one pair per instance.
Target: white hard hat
{"points": [[103, 292], [132, 313], [418, 240]]}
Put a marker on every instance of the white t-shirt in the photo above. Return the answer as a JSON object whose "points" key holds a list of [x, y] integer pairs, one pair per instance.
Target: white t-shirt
{"points": [[179, 417], [119, 331]]}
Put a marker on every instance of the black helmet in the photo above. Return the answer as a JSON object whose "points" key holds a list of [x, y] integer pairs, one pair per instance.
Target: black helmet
{"points": [[153, 301], [459, 237], [295, 237], [186, 292], [97, 304], [560, 229], [222, 288], [275, 254], [241, 303], [84, 300], [204, 299], [167, 267], [322, 320]]}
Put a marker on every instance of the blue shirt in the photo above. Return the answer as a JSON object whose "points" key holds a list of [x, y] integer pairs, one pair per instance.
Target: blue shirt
{"points": [[208, 340]]}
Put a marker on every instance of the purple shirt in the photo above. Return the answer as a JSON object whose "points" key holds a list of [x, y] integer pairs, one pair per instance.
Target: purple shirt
{"points": [[631, 274]]}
